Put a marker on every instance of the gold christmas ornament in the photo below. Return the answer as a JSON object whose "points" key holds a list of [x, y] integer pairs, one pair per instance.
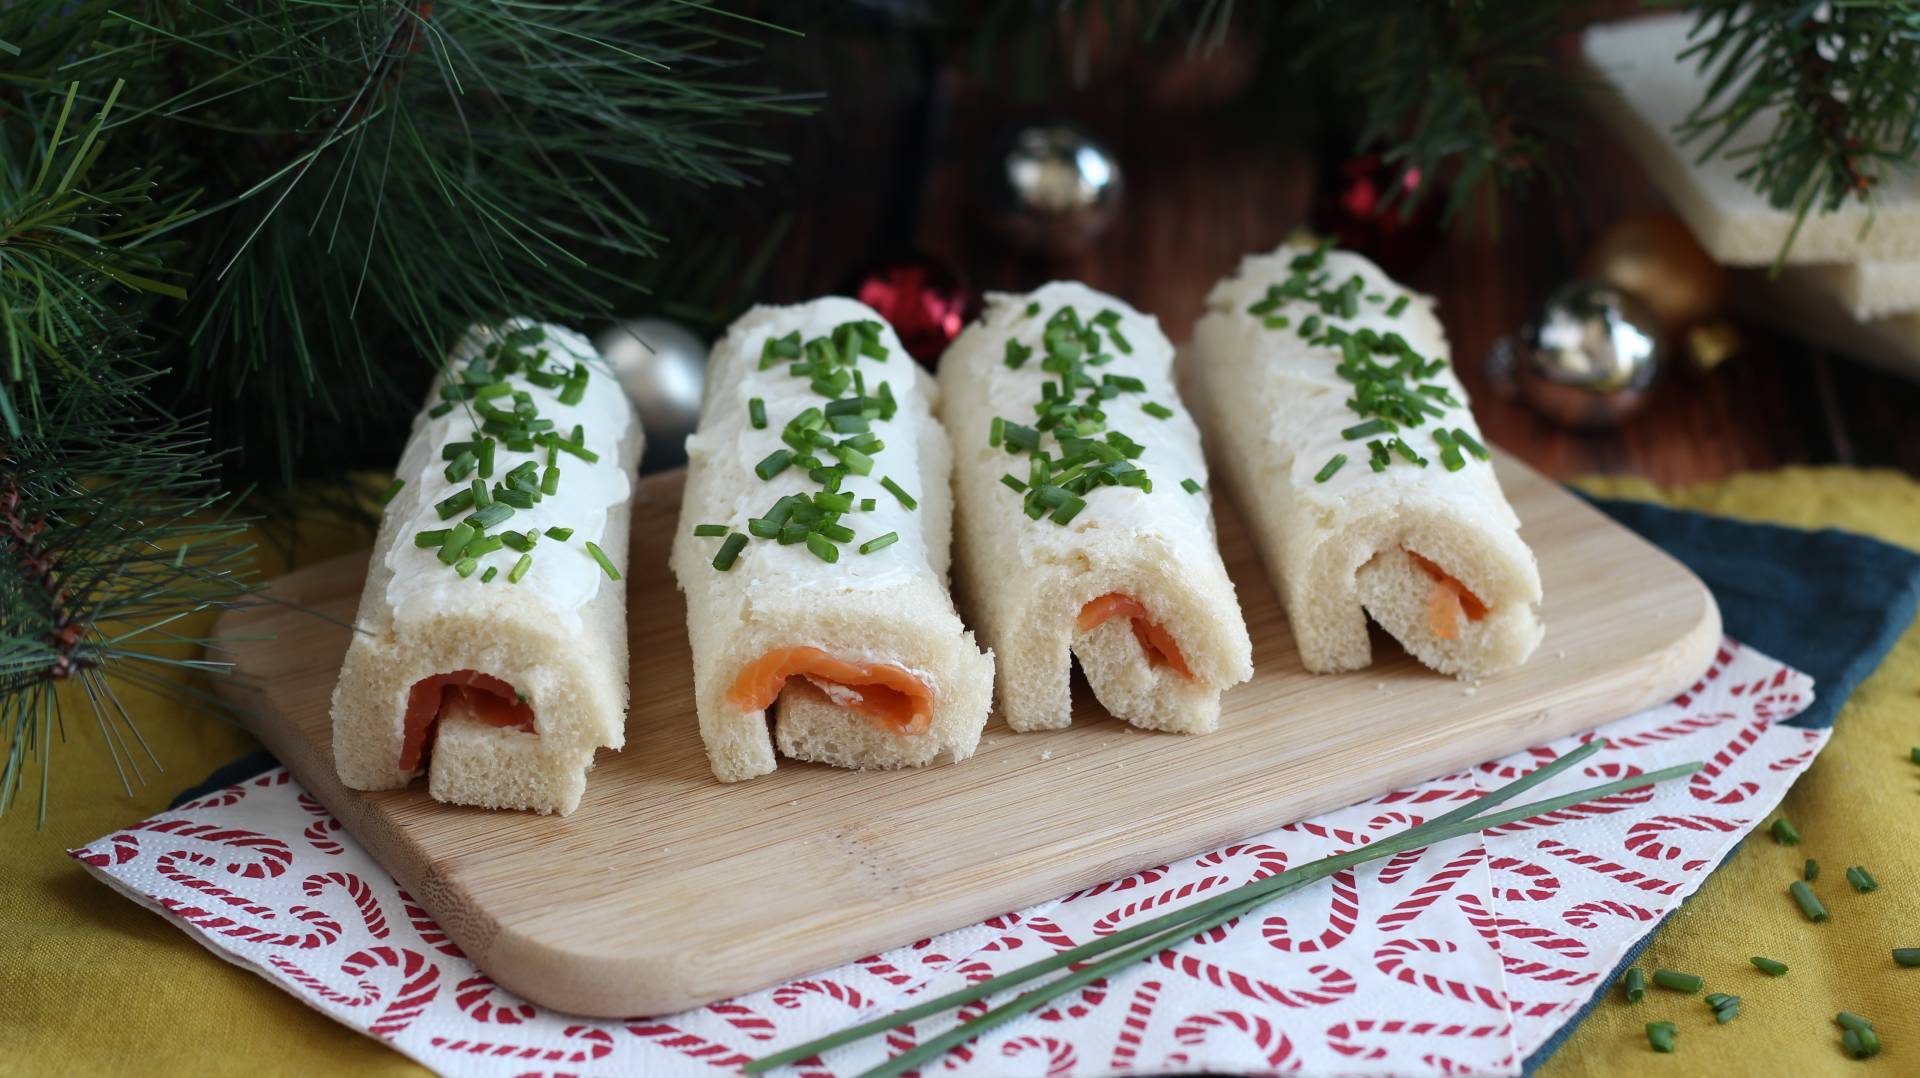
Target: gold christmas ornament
{"points": [[1655, 257]]}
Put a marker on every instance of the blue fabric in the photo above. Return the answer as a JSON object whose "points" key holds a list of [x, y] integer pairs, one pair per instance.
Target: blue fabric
{"points": [[1828, 603]]}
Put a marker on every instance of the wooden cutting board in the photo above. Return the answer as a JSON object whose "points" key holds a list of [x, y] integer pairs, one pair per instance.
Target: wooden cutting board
{"points": [[668, 889]]}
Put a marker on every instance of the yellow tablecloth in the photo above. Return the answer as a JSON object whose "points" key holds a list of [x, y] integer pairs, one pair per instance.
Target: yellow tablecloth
{"points": [[92, 984]]}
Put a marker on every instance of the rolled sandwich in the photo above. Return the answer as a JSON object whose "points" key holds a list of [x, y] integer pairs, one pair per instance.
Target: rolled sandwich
{"points": [[1085, 523], [490, 649], [813, 549], [1347, 442]]}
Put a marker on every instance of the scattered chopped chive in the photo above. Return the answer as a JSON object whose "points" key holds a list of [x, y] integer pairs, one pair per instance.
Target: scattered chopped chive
{"points": [[773, 463], [706, 530], [1017, 354], [601, 557], [554, 441], [1768, 966], [392, 490], [1720, 999], [480, 497], [1862, 880], [1471, 443], [1067, 510], [1784, 833], [560, 534], [550, 481], [1368, 429], [1157, 410], [491, 515], [893, 488], [1861, 1043], [519, 568], [1328, 469], [1914, 754], [729, 551], [1810, 871], [1906, 956], [1660, 1035], [1679, 982], [518, 540], [465, 567], [879, 542], [432, 537], [440, 409], [456, 542], [1809, 902], [1397, 306], [757, 413], [1728, 1012], [487, 577], [1013, 483], [1636, 985], [822, 548], [458, 502], [1190, 486], [484, 545], [486, 458], [1850, 1020]]}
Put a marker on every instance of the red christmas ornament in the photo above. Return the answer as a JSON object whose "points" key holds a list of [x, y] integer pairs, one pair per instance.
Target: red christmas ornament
{"points": [[925, 300], [1362, 203]]}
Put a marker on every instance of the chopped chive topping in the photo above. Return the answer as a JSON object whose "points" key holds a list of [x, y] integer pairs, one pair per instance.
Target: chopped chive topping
{"points": [[491, 515], [1368, 429], [1906, 956], [431, 537], [518, 540], [1661, 1034], [1679, 982], [1190, 486], [1332, 466], [393, 489], [573, 446], [729, 551], [550, 481], [486, 458], [440, 409], [1862, 880], [1810, 871], [1784, 833], [1032, 309], [1850, 1020], [1861, 1043], [822, 547], [1809, 902], [1914, 754], [879, 542], [484, 545], [487, 577], [757, 413], [773, 463], [1017, 354], [707, 530], [1726, 1010], [1397, 306], [1471, 443], [560, 534], [458, 502], [462, 466], [456, 542], [519, 568], [1157, 410], [893, 488], [601, 557], [1067, 510], [465, 567], [480, 497], [1636, 984], [1768, 966]]}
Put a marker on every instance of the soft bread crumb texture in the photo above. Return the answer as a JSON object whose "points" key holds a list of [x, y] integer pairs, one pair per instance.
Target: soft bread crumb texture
{"points": [[1273, 408], [1023, 582], [904, 618]]}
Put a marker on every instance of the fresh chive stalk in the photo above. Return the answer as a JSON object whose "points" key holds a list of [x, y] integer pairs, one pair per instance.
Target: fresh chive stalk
{"points": [[1808, 901], [879, 542], [1678, 981], [601, 557], [729, 551], [520, 568], [1165, 930], [709, 530]]}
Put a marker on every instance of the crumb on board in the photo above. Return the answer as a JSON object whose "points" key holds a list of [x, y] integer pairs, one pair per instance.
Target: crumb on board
{"points": [[1047, 755]]}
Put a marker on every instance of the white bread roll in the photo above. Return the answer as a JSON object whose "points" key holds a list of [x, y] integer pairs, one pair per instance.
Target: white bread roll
{"points": [[1025, 581], [1275, 405], [557, 636], [887, 610]]}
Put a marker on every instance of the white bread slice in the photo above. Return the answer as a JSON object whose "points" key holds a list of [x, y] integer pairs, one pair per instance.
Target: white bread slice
{"points": [[1274, 408], [1866, 290], [1024, 582], [1647, 91], [889, 607], [559, 636]]}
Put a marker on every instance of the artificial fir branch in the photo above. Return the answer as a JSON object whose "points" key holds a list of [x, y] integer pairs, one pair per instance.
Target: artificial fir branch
{"points": [[1819, 100]]}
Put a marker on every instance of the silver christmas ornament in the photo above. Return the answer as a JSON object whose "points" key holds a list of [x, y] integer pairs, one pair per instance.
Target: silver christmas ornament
{"points": [[1593, 357], [1054, 188], [662, 366]]}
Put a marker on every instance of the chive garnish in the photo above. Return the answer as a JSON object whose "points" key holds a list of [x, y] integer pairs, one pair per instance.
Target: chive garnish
{"points": [[480, 497], [486, 457], [1768, 966], [464, 567], [1636, 984], [1810, 871], [431, 537], [1660, 1035], [458, 502], [1679, 982], [560, 534], [601, 557], [1190, 486], [393, 489], [1017, 354], [729, 551], [1861, 1043], [1906, 956], [1032, 309], [1067, 510], [1850, 1020], [1809, 902], [1862, 880], [520, 568], [518, 540], [491, 515], [440, 409], [1157, 410], [879, 542], [1397, 306], [1471, 443], [706, 530], [822, 547], [757, 413], [1332, 466], [456, 542], [1727, 1012], [1784, 833], [893, 488], [773, 463], [1368, 429], [550, 481], [487, 577], [554, 441], [1914, 754], [483, 545]]}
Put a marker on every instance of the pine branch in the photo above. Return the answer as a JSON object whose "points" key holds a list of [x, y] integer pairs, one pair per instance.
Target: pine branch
{"points": [[1819, 100]]}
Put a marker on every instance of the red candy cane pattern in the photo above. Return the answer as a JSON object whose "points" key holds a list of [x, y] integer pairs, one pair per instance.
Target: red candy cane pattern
{"points": [[1342, 914], [692, 1045], [598, 1045], [356, 889], [1345, 1038], [1060, 1054], [475, 997], [1647, 838], [1393, 960], [1133, 1026], [1267, 1039], [1701, 785], [1442, 881], [419, 985], [1333, 983]]}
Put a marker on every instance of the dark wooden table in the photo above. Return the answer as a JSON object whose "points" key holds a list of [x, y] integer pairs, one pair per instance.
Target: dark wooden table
{"points": [[1205, 187]]}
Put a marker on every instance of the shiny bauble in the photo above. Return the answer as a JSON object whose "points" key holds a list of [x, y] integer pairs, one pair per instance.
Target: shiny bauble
{"points": [[1054, 187], [925, 299], [1591, 360], [1655, 257], [662, 365]]}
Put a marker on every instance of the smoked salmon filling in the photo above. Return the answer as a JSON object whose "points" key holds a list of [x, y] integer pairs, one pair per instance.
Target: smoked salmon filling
{"points": [[1155, 641], [1448, 600], [487, 698], [887, 694]]}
